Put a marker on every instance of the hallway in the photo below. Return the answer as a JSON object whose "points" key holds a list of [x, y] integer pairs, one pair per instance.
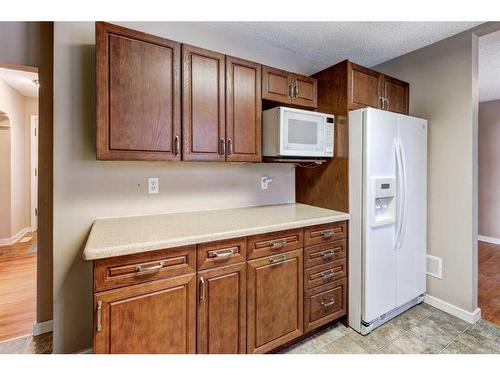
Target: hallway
{"points": [[489, 281]]}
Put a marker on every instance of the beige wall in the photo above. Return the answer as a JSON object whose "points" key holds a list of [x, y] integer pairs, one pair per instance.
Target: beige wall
{"points": [[30, 109], [489, 169], [443, 89], [5, 210], [85, 189]]}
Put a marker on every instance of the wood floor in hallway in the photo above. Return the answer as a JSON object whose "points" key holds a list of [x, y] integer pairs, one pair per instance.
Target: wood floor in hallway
{"points": [[489, 281], [17, 288]]}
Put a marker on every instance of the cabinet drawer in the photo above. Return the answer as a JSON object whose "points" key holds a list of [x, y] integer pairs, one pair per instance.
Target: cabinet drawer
{"points": [[132, 269], [221, 253], [324, 233], [322, 254], [324, 274], [324, 304], [274, 243]]}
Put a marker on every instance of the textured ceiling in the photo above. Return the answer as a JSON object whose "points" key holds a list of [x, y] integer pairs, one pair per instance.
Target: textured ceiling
{"points": [[20, 81], [326, 43], [489, 67]]}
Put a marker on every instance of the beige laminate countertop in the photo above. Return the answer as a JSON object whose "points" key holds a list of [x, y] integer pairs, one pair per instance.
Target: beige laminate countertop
{"points": [[135, 234]]}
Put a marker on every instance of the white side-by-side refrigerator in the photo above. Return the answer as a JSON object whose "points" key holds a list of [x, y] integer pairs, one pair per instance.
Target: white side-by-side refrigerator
{"points": [[388, 207]]}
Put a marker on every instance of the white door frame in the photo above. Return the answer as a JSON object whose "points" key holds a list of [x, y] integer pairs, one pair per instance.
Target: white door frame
{"points": [[34, 172]]}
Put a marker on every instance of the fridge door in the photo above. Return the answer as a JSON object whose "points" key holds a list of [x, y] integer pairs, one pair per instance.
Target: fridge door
{"points": [[410, 254], [379, 259]]}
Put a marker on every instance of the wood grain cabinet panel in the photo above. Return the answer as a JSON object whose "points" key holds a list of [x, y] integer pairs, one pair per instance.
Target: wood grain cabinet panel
{"points": [[222, 253], [325, 253], [324, 233], [396, 94], [363, 87], [324, 274], [275, 301], [273, 243], [222, 310], [305, 91], [276, 85], [138, 95], [243, 110], [153, 317], [203, 104]]}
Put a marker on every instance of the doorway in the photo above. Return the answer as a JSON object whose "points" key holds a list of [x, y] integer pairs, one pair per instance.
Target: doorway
{"points": [[489, 177], [18, 201]]}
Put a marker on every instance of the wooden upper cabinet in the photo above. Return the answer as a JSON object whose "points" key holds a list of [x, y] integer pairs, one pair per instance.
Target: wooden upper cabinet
{"points": [[284, 87], [396, 94], [274, 301], [153, 317], [138, 85], [305, 94], [243, 110], [222, 310], [203, 105], [363, 87]]}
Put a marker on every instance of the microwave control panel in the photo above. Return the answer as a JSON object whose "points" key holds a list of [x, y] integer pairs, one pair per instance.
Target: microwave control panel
{"points": [[329, 134]]}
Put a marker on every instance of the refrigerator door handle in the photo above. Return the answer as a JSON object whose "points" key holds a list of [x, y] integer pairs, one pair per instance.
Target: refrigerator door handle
{"points": [[403, 205], [399, 193]]}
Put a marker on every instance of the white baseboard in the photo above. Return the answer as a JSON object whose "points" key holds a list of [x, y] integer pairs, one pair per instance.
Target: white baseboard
{"points": [[469, 317], [43, 327], [492, 240], [15, 237]]}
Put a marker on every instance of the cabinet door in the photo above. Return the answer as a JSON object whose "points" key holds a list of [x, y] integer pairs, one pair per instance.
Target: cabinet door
{"points": [[275, 301], [276, 85], [203, 105], [363, 87], [222, 310], [305, 94], [138, 98], [243, 110], [396, 93], [154, 317]]}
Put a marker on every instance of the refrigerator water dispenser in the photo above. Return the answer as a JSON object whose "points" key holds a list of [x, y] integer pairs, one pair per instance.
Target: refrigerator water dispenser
{"points": [[383, 201]]}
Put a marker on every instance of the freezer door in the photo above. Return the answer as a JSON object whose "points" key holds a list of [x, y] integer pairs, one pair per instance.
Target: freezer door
{"points": [[410, 256], [379, 259]]}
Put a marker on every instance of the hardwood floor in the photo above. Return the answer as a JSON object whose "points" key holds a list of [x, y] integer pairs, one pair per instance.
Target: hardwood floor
{"points": [[489, 281], [17, 288]]}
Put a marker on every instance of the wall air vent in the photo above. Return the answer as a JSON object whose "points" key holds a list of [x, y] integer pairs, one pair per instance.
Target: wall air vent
{"points": [[434, 266]]}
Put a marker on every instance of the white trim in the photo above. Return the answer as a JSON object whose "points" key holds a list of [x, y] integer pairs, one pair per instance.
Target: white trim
{"points": [[15, 237], [34, 172], [469, 317], [492, 240], [43, 327]]}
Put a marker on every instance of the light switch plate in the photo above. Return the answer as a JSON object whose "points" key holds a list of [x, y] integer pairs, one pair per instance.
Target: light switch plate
{"points": [[153, 185]]}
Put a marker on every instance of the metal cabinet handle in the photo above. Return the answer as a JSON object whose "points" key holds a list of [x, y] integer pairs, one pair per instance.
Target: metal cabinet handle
{"points": [[202, 290], [381, 100], [328, 253], [142, 268], [177, 145], [386, 103], [327, 234], [278, 259], [296, 86], [229, 146], [221, 253], [290, 90], [278, 244], [223, 146], [327, 274], [330, 302], [99, 313]]}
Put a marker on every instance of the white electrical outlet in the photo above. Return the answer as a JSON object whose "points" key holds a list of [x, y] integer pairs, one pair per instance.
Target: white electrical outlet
{"points": [[153, 185], [264, 182]]}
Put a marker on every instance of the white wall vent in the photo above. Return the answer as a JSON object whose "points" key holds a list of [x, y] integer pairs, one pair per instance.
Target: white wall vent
{"points": [[434, 266]]}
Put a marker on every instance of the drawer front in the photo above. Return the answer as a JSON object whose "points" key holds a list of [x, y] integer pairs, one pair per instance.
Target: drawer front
{"points": [[110, 273], [324, 274], [324, 304], [324, 233], [274, 243], [326, 253], [221, 253]]}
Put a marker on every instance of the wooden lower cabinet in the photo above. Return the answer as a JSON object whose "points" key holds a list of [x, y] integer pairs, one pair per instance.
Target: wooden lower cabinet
{"points": [[275, 301], [153, 317], [222, 310]]}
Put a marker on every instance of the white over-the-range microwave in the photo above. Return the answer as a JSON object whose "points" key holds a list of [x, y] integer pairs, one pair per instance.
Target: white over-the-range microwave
{"points": [[290, 132]]}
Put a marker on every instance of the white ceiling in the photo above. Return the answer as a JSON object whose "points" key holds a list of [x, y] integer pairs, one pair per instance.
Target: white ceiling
{"points": [[326, 43], [489, 67], [20, 81]]}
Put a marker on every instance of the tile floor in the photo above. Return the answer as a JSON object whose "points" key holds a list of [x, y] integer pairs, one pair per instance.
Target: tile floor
{"points": [[422, 329], [28, 345]]}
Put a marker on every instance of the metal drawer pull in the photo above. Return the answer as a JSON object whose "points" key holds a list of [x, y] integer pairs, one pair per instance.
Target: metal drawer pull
{"points": [[327, 274], [278, 259], [202, 290], [223, 146], [221, 253], [99, 312], [177, 145], [142, 268], [278, 244], [328, 253], [330, 302], [327, 234], [230, 146]]}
